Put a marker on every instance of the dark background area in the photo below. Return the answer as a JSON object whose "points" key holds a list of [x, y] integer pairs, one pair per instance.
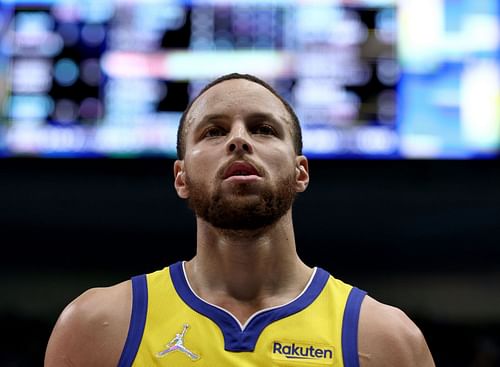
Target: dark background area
{"points": [[420, 235]]}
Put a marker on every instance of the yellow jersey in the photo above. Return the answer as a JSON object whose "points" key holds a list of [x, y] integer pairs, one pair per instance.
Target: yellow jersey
{"points": [[171, 326]]}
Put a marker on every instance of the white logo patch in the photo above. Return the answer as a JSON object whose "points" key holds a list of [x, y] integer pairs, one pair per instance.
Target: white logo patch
{"points": [[177, 344]]}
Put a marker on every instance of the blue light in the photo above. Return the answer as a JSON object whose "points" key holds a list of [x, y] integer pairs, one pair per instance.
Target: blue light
{"points": [[66, 72]]}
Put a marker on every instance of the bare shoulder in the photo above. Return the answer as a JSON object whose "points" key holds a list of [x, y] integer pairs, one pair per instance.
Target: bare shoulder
{"points": [[92, 329], [387, 337]]}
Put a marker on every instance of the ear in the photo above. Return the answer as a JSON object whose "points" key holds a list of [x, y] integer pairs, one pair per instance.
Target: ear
{"points": [[302, 173], [180, 180]]}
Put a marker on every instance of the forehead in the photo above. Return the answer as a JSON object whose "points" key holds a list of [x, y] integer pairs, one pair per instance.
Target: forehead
{"points": [[237, 97]]}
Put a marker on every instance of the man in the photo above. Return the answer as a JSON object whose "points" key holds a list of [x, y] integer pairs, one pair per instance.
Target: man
{"points": [[246, 298]]}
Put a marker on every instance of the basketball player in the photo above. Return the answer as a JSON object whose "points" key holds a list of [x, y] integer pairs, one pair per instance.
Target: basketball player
{"points": [[246, 298]]}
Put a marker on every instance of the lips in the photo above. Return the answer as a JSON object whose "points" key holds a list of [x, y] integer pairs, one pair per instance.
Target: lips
{"points": [[240, 169]]}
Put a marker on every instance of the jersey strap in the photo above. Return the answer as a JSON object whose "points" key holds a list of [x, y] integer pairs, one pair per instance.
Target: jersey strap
{"points": [[137, 320], [350, 327]]}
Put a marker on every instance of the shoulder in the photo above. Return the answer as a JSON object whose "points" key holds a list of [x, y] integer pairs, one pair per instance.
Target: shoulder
{"points": [[387, 337], [92, 329]]}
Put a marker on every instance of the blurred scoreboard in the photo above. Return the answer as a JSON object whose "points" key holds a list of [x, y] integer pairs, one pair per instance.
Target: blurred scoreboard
{"points": [[368, 79]]}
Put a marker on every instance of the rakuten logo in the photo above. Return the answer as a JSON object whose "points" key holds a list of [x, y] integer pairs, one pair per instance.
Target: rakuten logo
{"points": [[310, 352]]}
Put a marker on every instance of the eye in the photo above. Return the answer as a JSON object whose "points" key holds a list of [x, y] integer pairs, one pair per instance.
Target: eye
{"points": [[264, 130], [214, 131]]}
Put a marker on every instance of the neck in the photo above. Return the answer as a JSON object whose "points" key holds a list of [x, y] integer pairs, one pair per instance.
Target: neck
{"points": [[247, 271]]}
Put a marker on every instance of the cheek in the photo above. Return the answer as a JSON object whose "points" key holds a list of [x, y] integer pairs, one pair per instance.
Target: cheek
{"points": [[200, 166], [195, 153], [280, 161], [197, 158]]}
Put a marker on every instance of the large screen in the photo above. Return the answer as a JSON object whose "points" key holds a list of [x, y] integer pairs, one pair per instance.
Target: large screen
{"points": [[367, 78]]}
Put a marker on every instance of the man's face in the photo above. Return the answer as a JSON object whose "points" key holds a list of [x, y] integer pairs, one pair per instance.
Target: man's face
{"points": [[240, 170]]}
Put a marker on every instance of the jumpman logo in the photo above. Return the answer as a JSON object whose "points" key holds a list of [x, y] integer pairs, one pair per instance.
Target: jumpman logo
{"points": [[177, 343]]}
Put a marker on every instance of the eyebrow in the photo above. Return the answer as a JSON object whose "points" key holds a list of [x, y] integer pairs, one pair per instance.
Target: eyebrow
{"points": [[206, 120], [212, 117], [267, 116]]}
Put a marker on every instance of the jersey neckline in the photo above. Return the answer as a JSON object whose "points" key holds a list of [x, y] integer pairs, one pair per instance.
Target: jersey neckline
{"points": [[238, 338]]}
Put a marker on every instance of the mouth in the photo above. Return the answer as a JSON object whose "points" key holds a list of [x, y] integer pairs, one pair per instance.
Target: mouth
{"points": [[241, 169]]}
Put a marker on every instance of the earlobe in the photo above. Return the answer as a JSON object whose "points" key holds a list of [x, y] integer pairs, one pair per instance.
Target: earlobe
{"points": [[180, 180], [302, 177]]}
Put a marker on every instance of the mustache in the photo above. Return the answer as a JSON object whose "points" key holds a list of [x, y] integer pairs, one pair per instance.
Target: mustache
{"points": [[221, 172]]}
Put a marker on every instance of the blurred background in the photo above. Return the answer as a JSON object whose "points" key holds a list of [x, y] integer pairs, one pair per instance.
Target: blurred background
{"points": [[400, 107]]}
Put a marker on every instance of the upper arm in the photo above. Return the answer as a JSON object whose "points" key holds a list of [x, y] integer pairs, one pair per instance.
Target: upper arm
{"points": [[387, 337], [91, 331]]}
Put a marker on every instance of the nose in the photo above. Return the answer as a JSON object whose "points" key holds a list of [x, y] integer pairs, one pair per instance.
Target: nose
{"points": [[239, 141]]}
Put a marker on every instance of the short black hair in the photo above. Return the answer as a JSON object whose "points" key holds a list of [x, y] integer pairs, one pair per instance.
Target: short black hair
{"points": [[296, 131]]}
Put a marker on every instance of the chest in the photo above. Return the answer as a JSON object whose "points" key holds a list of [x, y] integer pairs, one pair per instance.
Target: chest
{"points": [[172, 326], [308, 338]]}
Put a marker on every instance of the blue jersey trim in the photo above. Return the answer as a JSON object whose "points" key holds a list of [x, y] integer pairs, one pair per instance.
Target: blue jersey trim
{"points": [[350, 327], [235, 339], [137, 320]]}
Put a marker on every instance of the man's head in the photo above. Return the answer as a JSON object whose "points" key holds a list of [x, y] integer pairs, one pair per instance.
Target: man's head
{"points": [[295, 125], [239, 146]]}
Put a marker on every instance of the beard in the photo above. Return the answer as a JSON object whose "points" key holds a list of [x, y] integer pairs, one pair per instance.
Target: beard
{"points": [[240, 211]]}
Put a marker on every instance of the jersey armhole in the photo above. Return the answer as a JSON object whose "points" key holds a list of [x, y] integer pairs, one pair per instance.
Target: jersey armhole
{"points": [[350, 327], [137, 320]]}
